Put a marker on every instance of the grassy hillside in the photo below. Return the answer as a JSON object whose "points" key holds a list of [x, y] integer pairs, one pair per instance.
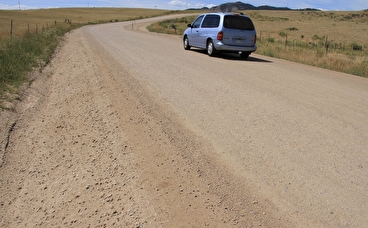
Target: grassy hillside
{"points": [[331, 40], [22, 19], [28, 38], [338, 27]]}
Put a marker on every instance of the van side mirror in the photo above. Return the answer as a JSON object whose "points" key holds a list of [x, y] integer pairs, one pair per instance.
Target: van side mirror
{"points": [[189, 25]]}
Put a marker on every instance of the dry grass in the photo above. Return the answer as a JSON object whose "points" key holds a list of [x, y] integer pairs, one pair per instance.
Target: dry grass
{"points": [[339, 27], [301, 37], [348, 62], [22, 19]]}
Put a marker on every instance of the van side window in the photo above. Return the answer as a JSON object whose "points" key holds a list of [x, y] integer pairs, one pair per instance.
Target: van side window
{"points": [[211, 21], [197, 22], [238, 22]]}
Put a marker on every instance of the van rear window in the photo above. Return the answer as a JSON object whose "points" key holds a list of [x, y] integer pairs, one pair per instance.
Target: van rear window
{"points": [[238, 22]]}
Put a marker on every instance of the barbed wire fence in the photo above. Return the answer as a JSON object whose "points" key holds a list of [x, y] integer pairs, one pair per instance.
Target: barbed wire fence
{"points": [[21, 29]]}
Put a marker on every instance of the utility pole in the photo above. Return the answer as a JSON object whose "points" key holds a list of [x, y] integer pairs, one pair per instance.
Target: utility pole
{"points": [[19, 4]]}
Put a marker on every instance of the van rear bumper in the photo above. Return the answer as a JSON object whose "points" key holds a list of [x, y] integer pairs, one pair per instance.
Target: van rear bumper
{"points": [[232, 48]]}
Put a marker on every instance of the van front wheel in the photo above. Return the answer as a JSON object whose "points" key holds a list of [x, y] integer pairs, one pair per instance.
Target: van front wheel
{"points": [[186, 43]]}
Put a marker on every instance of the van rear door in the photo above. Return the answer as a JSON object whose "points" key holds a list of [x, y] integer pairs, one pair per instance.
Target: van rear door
{"points": [[238, 31]]}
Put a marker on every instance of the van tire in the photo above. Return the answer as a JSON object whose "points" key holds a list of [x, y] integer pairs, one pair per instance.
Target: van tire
{"points": [[244, 55], [186, 43], [211, 50]]}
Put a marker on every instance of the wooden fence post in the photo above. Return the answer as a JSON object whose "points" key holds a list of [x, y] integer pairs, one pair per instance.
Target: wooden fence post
{"points": [[260, 35], [11, 28], [286, 41], [326, 44]]}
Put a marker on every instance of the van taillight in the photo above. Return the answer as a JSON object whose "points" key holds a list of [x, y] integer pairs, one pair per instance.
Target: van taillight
{"points": [[255, 39], [220, 35]]}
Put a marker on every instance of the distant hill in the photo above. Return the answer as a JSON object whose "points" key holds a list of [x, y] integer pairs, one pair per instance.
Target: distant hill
{"points": [[237, 6]]}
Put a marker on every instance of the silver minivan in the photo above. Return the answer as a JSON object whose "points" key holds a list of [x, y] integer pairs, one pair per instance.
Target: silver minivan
{"points": [[222, 32]]}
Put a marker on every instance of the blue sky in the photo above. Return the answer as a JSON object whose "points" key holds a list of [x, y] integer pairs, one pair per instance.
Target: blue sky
{"points": [[182, 4]]}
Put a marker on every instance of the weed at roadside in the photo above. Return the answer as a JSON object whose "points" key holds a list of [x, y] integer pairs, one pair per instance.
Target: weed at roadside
{"points": [[19, 55]]}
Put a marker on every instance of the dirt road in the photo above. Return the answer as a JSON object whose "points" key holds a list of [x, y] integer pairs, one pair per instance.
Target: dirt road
{"points": [[126, 129]]}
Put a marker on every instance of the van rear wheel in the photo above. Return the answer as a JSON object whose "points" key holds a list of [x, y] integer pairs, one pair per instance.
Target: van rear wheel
{"points": [[211, 50], [244, 55]]}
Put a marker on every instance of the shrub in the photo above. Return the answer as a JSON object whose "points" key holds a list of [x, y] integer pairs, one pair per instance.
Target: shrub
{"points": [[360, 69], [357, 47], [283, 34], [271, 40], [320, 52], [269, 52], [316, 37], [292, 29]]}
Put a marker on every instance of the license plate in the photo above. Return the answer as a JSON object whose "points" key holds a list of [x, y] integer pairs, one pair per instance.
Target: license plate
{"points": [[239, 41]]}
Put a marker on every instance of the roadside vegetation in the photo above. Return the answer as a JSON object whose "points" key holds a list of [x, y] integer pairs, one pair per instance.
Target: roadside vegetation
{"points": [[331, 40], [20, 54], [28, 38], [171, 26]]}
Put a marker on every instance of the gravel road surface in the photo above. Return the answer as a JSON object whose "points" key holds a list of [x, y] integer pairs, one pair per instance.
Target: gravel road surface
{"points": [[127, 129]]}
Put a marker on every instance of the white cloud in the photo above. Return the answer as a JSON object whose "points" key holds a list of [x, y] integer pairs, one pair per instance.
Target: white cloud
{"points": [[3, 6], [185, 5], [179, 3], [211, 5]]}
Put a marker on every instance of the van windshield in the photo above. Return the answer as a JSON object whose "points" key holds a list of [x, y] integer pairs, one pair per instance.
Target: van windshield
{"points": [[238, 22]]}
